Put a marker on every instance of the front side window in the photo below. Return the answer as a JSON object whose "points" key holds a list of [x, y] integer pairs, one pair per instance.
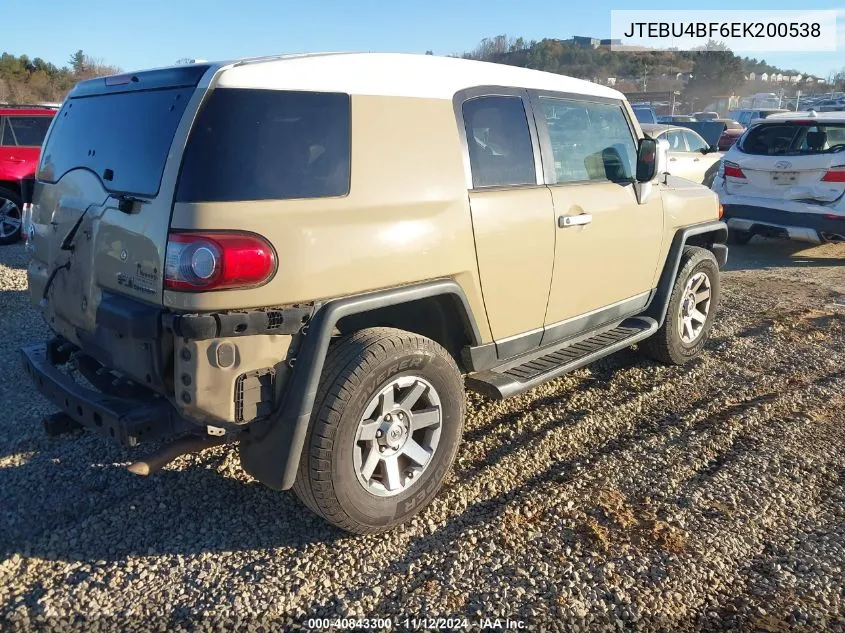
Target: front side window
{"points": [[589, 141], [499, 142], [28, 131], [249, 144]]}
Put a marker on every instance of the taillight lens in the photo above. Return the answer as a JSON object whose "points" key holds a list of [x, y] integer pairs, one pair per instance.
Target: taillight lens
{"points": [[732, 170], [835, 174], [217, 261]]}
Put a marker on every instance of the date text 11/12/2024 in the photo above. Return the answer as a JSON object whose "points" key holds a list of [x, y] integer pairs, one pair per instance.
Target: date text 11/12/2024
{"points": [[417, 624]]}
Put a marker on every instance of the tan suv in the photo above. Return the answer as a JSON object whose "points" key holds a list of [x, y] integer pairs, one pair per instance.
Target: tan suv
{"points": [[310, 256]]}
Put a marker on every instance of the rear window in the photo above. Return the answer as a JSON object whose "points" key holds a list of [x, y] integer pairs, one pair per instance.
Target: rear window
{"points": [[26, 131], [268, 144], [794, 139], [124, 138]]}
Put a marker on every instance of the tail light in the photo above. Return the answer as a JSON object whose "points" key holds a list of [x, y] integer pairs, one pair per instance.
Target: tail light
{"points": [[721, 211], [732, 170], [217, 261], [835, 174]]}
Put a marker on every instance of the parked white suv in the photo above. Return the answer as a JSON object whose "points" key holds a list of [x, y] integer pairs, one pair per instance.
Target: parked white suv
{"points": [[786, 177]]}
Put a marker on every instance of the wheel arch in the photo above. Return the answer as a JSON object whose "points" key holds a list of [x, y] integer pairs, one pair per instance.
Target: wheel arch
{"points": [[443, 318], [271, 454], [709, 235]]}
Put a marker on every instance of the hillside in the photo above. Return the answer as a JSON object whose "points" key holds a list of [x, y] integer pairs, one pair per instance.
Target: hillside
{"points": [[630, 71], [34, 80]]}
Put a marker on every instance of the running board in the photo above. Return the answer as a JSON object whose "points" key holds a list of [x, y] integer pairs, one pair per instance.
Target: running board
{"points": [[517, 376]]}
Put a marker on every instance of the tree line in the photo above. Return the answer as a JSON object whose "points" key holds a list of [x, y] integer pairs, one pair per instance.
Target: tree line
{"points": [[34, 80]]}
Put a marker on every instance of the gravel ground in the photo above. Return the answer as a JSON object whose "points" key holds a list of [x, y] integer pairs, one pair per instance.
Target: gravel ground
{"points": [[627, 495]]}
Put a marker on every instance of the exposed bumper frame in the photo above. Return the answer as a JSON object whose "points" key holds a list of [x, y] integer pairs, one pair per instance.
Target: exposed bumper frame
{"points": [[129, 421]]}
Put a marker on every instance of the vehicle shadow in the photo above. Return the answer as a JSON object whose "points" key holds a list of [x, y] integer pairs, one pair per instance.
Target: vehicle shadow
{"points": [[761, 253], [79, 503]]}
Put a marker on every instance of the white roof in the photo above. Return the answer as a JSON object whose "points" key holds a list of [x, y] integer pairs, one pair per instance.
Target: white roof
{"points": [[836, 117], [394, 74]]}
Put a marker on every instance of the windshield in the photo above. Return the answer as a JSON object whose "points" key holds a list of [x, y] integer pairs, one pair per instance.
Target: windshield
{"points": [[794, 139], [124, 138], [644, 114]]}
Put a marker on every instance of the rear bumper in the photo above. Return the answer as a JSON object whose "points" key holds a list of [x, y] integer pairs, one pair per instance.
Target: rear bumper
{"points": [[805, 227], [129, 421]]}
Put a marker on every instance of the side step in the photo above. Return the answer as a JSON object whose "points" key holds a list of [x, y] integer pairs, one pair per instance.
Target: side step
{"points": [[550, 362]]}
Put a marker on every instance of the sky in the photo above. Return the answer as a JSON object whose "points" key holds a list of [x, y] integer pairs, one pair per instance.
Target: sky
{"points": [[135, 34]]}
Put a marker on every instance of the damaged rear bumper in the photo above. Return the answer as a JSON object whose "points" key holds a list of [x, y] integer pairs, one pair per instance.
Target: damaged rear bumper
{"points": [[127, 420], [806, 227]]}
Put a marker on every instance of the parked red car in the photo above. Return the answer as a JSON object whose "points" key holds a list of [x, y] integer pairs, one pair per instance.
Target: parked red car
{"points": [[733, 131], [22, 130]]}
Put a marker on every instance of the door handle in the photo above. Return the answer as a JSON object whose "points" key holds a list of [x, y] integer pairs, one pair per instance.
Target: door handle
{"points": [[15, 159], [695, 160], [574, 220], [672, 160]]}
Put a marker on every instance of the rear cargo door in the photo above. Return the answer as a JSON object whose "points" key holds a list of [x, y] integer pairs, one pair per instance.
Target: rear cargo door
{"points": [[105, 191]]}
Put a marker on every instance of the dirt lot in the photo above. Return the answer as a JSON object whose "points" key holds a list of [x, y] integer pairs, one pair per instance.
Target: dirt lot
{"points": [[625, 496]]}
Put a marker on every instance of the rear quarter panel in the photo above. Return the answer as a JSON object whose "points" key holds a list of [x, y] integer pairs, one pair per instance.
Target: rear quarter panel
{"points": [[406, 218]]}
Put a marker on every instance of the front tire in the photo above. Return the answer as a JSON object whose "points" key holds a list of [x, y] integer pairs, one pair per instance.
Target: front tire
{"points": [[10, 216], [691, 312], [387, 422]]}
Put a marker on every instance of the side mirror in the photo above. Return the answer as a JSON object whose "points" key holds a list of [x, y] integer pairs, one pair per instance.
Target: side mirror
{"points": [[647, 160], [652, 159]]}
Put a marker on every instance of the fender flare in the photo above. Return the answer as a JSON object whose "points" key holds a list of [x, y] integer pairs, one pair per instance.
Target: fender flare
{"points": [[660, 301], [271, 452]]}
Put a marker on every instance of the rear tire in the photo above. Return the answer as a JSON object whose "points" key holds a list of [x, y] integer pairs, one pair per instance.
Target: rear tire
{"points": [[385, 395], [691, 312], [10, 216]]}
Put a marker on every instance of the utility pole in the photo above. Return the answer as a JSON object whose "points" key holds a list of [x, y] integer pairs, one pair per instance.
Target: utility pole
{"points": [[645, 78]]}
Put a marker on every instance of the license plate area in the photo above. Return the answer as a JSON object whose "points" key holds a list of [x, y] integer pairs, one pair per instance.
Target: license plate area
{"points": [[784, 177]]}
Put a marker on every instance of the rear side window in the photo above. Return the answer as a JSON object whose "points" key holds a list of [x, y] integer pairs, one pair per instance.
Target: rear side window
{"points": [[590, 141], [500, 148], [268, 144], [675, 140], [27, 131], [794, 139], [694, 142]]}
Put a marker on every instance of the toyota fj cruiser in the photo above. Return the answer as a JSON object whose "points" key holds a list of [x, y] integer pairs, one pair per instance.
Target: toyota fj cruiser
{"points": [[310, 256]]}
